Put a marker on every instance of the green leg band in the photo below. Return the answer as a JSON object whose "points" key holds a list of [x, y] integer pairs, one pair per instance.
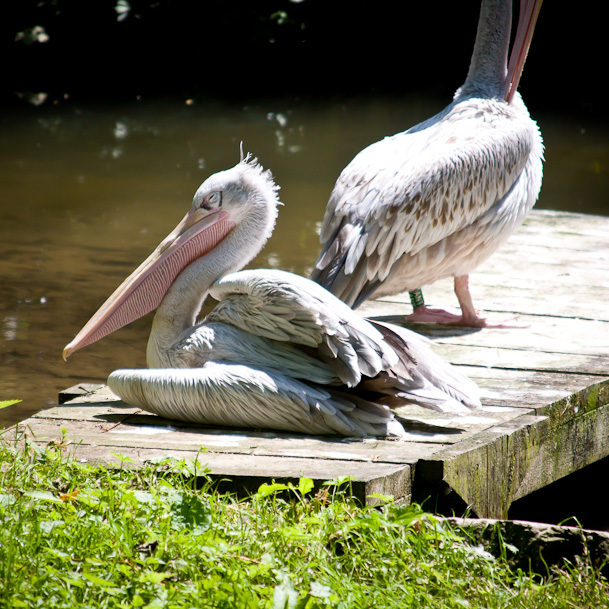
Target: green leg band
{"points": [[416, 298]]}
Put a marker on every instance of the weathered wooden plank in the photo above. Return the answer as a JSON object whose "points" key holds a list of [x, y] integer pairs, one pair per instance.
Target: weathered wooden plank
{"points": [[561, 244], [577, 442], [566, 337], [146, 432], [547, 265], [518, 301], [533, 298], [86, 392], [248, 473], [550, 222], [494, 358], [544, 335], [483, 470], [482, 451], [506, 462], [527, 388]]}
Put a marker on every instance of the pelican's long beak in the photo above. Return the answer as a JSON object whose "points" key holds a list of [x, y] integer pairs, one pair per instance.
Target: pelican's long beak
{"points": [[143, 290], [527, 18]]}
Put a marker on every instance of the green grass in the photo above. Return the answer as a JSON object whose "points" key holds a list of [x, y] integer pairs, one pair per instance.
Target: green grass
{"points": [[73, 535]]}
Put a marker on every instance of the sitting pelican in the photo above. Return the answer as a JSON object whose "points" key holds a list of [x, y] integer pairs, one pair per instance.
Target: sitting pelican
{"points": [[437, 200], [278, 351]]}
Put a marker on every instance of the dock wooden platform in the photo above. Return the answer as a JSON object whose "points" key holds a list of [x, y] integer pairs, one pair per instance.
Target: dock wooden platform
{"points": [[545, 392]]}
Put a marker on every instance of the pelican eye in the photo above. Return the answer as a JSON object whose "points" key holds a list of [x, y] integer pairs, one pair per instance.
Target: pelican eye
{"points": [[213, 199]]}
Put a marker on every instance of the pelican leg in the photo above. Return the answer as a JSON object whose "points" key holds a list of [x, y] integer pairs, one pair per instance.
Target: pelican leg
{"points": [[423, 314], [469, 315]]}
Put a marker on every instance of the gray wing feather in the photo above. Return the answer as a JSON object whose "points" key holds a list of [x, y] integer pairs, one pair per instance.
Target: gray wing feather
{"points": [[250, 299], [427, 377], [220, 341], [240, 396]]}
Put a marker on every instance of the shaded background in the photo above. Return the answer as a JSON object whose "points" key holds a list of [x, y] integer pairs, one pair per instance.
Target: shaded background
{"points": [[233, 51]]}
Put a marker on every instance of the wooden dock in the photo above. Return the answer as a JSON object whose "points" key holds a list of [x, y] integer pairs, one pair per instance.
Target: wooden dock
{"points": [[545, 392]]}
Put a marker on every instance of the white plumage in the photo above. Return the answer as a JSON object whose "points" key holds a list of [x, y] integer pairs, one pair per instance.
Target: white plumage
{"points": [[278, 351], [437, 200]]}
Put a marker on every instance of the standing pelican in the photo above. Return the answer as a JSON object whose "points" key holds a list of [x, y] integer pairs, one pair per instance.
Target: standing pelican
{"points": [[278, 351], [437, 200]]}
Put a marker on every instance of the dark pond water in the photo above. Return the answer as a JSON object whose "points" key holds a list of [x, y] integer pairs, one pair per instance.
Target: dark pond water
{"points": [[86, 193]]}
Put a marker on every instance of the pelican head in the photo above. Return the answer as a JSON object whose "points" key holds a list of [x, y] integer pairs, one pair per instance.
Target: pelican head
{"points": [[238, 205]]}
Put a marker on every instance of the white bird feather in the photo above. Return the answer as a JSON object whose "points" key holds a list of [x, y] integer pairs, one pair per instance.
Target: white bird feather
{"points": [[278, 351], [438, 199]]}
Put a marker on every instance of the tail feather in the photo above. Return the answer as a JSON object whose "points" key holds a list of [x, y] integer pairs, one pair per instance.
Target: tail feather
{"points": [[435, 381]]}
